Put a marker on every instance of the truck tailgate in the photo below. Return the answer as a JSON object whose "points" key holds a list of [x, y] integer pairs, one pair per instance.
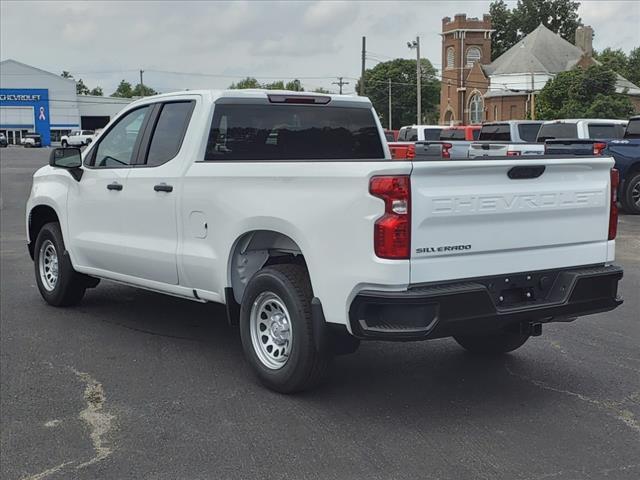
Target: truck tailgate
{"points": [[470, 218]]}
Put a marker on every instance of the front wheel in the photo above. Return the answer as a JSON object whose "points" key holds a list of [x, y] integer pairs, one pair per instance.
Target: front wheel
{"points": [[630, 197], [59, 284], [492, 344], [65, 144], [277, 330]]}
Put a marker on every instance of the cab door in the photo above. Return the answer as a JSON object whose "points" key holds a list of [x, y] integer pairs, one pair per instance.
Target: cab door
{"points": [[97, 206]]}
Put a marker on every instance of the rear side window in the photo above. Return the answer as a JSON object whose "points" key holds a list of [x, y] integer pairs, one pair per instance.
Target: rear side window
{"points": [[389, 136], [452, 134], [604, 131], [551, 131], [292, 132], [170, 128], [432, 133], [499, 133], [529, 131], [408, 135], [633, 129], [476, 133]]}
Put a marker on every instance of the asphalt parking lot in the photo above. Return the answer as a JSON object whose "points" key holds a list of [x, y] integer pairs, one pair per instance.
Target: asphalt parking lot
{"points": [[132, 384]]}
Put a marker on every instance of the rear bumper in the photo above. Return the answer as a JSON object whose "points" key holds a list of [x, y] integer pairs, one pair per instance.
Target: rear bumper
{"points": [[485, 304]]}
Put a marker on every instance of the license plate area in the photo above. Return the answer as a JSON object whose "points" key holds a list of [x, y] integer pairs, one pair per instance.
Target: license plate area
{"points": [[520, 289]]}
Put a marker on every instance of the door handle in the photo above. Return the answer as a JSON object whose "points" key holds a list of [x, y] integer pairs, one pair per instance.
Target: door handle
{"points": [[163, 187], [114, 186]]}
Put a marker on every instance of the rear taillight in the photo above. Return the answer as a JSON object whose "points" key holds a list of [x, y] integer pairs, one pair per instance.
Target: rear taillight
{"points": [[411, 151], [392, 231], [513, 153], [446, 147], [613, 210], [598, 148]]}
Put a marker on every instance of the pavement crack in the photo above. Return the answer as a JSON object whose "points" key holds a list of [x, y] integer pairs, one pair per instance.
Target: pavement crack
{"points": [[99, 421], [47, 472], [612, 407]]}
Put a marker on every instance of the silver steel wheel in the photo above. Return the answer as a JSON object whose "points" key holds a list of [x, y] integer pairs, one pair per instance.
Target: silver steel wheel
{"points": [[48, 265], [271, 330], [635, 194]]}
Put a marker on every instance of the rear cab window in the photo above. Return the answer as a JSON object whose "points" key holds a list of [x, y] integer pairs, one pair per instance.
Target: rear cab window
{"points": [[408, 135], [452, 134], [604, 131], [498, 133], [292, 132], [529, 131], [552, 131], [431, 134]]}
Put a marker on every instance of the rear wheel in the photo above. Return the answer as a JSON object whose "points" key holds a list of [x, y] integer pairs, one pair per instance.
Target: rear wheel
{"points": [[277, 330], [630, 198], [59, 284], [492, 344]]}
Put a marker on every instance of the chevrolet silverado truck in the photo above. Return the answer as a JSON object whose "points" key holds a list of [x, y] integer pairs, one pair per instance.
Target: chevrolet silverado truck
{"points": [[513, 138], [286, 208]]}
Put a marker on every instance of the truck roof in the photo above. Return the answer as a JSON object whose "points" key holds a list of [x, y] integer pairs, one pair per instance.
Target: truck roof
{"points": [[259, 93], [590, 120]]}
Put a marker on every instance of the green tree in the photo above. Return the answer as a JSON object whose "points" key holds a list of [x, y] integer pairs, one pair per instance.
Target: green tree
{"points": [[633, 67], [97, 92], [279, 85], [506, 30], [559, 16], [124, 90], [81, 88], [402, 73], [294, 85], [248, 82], [583, 93], [66, 74], [320, 90], [615, 60], [142, 91]]}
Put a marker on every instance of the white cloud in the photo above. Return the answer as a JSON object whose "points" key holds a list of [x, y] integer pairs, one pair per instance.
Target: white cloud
{"points": [[104, 42]]}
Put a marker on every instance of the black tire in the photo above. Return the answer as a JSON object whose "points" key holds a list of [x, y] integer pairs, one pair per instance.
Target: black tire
{"points": [[631, 187], [70, 285], [492, 344], [88, 142], [305, 365], [65, 144]]}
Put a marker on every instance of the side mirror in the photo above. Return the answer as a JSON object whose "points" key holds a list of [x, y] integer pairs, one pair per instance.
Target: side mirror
{"points": [[69, 159]]}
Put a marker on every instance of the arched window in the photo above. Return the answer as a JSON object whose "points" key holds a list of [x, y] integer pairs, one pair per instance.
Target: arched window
{"points": [[476, 107], [473, 56], [451, 57]]}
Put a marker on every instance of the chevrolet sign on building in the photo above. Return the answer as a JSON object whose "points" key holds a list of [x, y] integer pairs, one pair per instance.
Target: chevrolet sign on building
{"points": [[33, 100]]}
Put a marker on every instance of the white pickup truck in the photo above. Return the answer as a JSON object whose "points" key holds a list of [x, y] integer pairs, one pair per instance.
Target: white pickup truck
{"points": [[512, 138], [77, 138], [287, 208]]}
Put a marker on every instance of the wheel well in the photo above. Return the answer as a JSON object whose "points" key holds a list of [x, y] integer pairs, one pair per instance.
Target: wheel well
{"points": [[38, 217], [257, 249]]}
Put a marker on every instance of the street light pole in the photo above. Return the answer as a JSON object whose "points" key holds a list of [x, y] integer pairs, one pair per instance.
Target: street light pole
{"points": [[416, 44], [389, 122]]}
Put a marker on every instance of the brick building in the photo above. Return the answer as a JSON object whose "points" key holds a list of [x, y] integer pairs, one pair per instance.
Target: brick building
{"points": [[475, 89]]}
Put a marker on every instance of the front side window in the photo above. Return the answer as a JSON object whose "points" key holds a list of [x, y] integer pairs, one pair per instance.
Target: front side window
{"points": [[476, 107], [169, 132], [117, 147], [529, 131], [292, 132], [633, 129]]}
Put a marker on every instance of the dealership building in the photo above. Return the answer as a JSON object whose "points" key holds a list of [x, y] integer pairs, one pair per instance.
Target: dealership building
{"points": [[33, 100]]}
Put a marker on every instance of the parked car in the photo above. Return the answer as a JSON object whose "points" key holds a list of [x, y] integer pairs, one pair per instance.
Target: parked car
{"points": [[242, 202], [391, 135], [459, 138], [3, 141], [77, 138], [512, 138], [625, 152], [31, 140], [591, 128], [404, 147]]}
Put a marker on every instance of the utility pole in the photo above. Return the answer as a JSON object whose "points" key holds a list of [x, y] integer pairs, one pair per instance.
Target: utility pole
{"points": [[389, 122], [340, 83], [364, 50], [141, 83], [416, 44], [533, 97]]}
